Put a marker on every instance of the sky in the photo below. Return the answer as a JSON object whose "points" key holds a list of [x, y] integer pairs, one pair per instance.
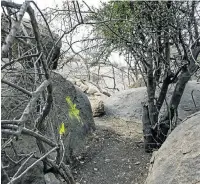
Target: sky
{"points": [[50, 3]]}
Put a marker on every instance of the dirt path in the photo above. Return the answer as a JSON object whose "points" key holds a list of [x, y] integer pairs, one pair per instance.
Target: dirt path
{"points": [[113, 155]]}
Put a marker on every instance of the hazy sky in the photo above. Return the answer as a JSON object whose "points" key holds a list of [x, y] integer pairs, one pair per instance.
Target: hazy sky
{"points": [[50, 3]]}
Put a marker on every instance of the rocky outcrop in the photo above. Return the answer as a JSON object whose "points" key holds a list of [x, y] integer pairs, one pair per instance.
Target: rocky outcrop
{"points": [[89, 88], [127, 104], [178, 159]]}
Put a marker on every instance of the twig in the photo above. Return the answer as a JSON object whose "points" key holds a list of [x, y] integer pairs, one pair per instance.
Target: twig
{"points": [[35, 95], [17, 87], [32, 165], [5, 173], [16, 122], [20, 168], [25, 131]]}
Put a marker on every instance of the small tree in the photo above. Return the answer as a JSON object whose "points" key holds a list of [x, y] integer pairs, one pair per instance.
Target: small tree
{"points": [[163, 39]]}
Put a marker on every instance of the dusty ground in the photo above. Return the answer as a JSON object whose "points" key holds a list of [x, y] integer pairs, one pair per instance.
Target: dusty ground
{"points": [[114, 154]]}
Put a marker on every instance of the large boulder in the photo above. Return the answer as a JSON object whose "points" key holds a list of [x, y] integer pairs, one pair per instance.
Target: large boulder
{"points": [[12, 109], [46, 40], [178, 159], [78, 130], [127, 104]]}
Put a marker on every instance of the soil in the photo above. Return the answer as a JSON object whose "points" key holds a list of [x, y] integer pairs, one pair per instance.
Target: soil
{"points": [[114, 154]]}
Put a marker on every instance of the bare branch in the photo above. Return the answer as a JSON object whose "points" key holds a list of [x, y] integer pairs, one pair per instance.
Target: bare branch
{"points": [[32, 165], [15, 27], [17, 87]]}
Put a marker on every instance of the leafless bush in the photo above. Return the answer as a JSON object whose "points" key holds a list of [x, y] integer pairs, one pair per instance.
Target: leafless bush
{"points": [[28, 55]]}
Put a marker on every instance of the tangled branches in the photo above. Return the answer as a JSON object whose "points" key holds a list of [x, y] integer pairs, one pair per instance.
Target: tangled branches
{"points": [[28, 55]]}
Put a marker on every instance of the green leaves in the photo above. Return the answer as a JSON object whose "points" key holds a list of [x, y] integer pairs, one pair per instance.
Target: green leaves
{"points": [[118, 21], [62, 129], [73, 111]]}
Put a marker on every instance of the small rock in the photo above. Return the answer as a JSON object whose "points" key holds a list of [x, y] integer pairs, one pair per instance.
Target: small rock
{"points": [[51, 179], [79, 157], [91, 90], [107, 160], [83, 87], [137, 163], [95, 169]]}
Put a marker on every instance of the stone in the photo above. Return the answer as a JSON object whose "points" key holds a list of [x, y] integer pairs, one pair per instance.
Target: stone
{"points": [[127, 104], [95, 169], [51, 179], [137, 163], [178, 159], [97, 107], [83, 87], [59, 113], [92, 90], [79, 83]]}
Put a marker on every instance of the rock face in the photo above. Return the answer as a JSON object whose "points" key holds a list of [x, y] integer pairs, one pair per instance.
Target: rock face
{"points": [[127, 104], [178, 159], [59, 113]]}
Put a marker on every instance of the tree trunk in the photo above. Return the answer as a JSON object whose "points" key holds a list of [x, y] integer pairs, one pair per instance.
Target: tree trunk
{"points": [[156, 134], [149, 142]]}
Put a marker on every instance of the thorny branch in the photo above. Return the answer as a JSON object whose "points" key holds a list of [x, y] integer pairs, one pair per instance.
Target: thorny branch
{"points": [[26, 49]]}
